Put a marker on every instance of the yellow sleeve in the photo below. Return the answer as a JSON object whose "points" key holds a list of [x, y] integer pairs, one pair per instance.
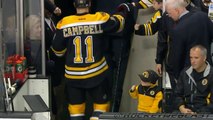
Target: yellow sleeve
{"points": [[134, 94], [145, 3], [121, 21], [155, 106], [208, 98], [151, 27]]}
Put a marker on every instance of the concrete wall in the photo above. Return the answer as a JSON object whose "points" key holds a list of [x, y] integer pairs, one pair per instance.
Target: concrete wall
{"points": [[142, 57]]}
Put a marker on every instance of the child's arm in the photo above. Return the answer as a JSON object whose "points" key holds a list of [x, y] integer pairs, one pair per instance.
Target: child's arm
{"points": [[149, 28], [155, 106], [134, 92]]}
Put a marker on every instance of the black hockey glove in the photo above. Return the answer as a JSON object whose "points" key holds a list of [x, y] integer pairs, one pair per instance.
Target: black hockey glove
{"points": [[125, 8], [129, 11]]}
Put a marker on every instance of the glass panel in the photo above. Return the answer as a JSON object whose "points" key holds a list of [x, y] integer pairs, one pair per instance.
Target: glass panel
{"points": [[32, 34], [9, 26], [17, 17], [8, 39]]}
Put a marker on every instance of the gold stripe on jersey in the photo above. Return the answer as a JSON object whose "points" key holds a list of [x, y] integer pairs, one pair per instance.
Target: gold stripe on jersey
{"points": [[150, 29], [86, 76], [145, 26], [75, 20], [147, 29], [208, 98], [86, 68], [76, 110], [150, 1], [101, 107], [145, 3], [122, 21], [59, 53], [156, 16], [86, 72]]}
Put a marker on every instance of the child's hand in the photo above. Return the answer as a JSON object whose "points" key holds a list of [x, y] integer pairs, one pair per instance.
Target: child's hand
{"points": [[137, 26], [133, 88]]}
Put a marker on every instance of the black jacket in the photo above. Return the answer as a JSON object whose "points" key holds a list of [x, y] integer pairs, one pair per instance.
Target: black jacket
{"points": [[192, 29], [194, 94], [54, 64], [164, 38], [176, 38]]}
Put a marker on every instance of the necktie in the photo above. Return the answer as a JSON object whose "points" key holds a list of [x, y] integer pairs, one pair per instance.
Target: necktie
{"points": [[52, 26]]}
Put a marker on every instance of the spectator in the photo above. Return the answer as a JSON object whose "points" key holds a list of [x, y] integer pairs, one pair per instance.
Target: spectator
{"points": [[165, 53], [191, 28], [195, 85], [165, 40], [148, 93], [32, 44]]}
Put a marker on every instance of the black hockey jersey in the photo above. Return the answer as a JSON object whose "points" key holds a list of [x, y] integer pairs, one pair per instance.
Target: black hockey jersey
{"points": [[153, 26], [143, 4], [81, 38]]}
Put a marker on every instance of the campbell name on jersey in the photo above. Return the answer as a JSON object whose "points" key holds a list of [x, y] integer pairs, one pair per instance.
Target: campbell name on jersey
{"points": [[81, 39], [84, 29]]}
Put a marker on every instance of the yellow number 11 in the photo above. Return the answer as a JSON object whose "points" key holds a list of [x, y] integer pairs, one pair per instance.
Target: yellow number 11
{"points": [[78, 49]]}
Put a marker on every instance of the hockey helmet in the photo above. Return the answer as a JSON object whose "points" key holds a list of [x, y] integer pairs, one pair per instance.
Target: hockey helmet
{"points": [[82, 3]]}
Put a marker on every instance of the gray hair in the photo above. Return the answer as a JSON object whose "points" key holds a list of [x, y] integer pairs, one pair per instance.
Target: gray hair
{"points": [[176, 3], [30, 22], [202, 49]]}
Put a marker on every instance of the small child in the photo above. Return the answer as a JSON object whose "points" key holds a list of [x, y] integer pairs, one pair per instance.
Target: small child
{"points": [[148, 93]]}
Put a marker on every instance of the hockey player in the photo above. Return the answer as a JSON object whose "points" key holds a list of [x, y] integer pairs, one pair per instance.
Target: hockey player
{"points": [[80, 38]]}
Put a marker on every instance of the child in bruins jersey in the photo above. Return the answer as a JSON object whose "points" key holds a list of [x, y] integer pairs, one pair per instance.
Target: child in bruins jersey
{"points": [[148, 93]]}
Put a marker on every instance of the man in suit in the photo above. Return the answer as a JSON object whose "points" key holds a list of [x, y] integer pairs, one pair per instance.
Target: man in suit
{"points": [[55, 65]]}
